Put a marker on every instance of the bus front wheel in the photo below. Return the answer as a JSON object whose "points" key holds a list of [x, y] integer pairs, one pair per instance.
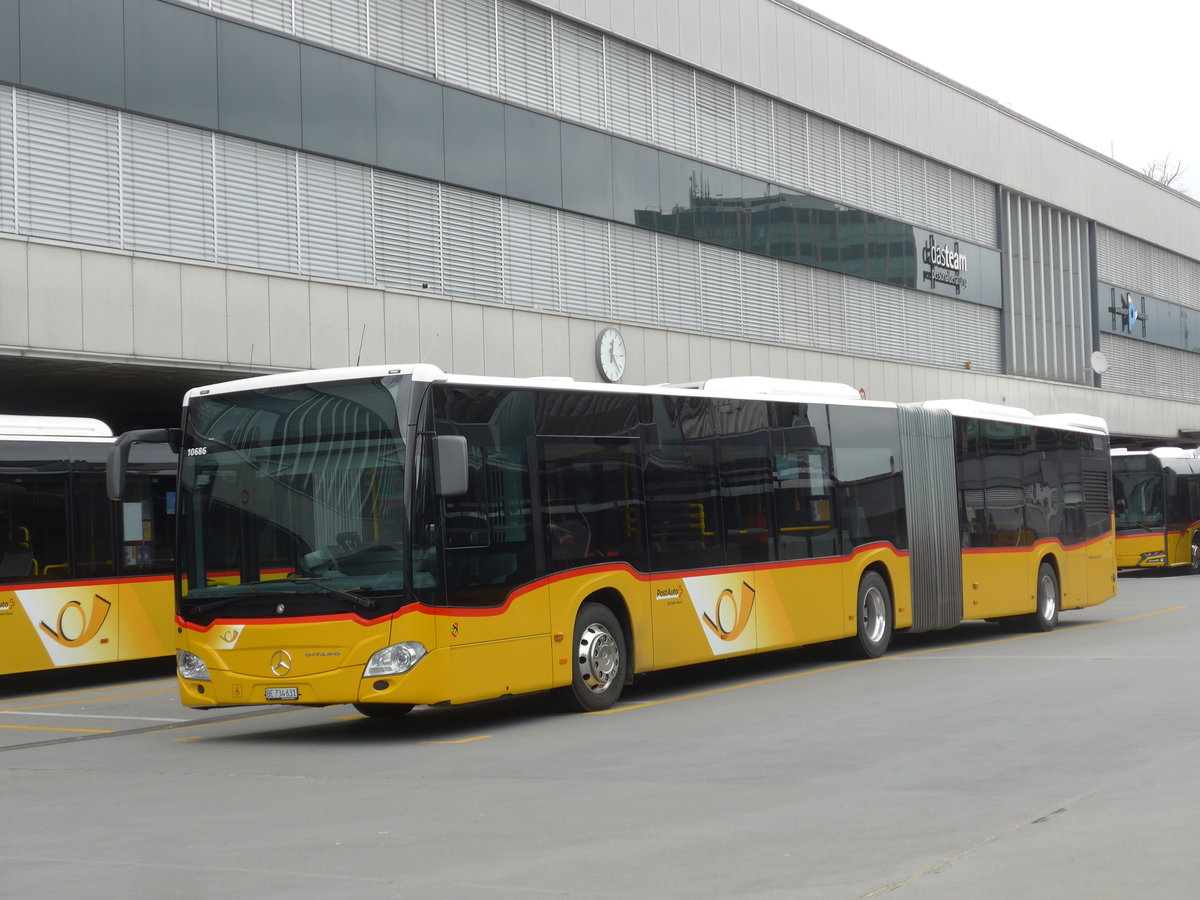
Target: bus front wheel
{"points": [[874, 631], [1045, 617], [600, 662]]}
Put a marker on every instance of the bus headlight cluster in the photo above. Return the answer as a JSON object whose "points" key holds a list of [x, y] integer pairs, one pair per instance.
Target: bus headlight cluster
{"points": [[394, 660], [191, 666]]}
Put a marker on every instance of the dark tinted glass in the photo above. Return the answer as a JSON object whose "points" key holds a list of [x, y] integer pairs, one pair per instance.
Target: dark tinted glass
{"points": [[258, 84], [533, 157], [591, 501], [474, 132], [146, 523], [488, 532], [679, 189], [10, 42], [410, 124], [803, 482], [1003, 446], [682, 488], [587, 171], [92, 525], [338, 95], [74, 48], [33, 523], [170, 62], [1070, 460], [635, 184], [867, 467]]}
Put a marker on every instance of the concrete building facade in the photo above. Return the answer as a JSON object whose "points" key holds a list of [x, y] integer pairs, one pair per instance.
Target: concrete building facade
{"points": [[190, 191]]}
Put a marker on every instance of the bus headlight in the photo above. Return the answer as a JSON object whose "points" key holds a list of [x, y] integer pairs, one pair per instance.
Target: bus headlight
{"points": [[191, 666], [394, 660]]}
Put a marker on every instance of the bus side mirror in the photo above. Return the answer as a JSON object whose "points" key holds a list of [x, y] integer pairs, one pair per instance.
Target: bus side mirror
{"points": [[118, 455], [451, 452]]}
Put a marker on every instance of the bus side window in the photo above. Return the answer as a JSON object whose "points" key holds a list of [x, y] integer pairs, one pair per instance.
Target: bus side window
{"points": [[33, 524]]}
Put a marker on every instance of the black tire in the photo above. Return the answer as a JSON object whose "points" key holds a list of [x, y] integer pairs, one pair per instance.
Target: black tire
{"points": [[1194, 562], [1049, 600], [874, 631], [384, 710], [600, 663]]}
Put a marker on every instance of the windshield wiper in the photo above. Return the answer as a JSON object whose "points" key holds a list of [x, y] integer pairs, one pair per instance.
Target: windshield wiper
{"points": [[248, 588]]}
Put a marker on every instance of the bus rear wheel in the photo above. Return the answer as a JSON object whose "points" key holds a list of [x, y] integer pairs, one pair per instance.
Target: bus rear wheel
{"points": [[1194, 562], [600, 664], [384, 710], [874, 617], [1045, 617]]}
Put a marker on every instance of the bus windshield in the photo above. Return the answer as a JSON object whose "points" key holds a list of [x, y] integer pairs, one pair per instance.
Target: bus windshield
{"points": [[1138, 495], [292, 498]]}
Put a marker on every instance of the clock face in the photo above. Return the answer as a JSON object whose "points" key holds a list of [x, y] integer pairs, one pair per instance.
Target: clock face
{"points": [[610, 354]]}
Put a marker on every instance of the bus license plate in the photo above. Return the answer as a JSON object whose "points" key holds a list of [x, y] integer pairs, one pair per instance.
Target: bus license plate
{"points": [[283, 693]]}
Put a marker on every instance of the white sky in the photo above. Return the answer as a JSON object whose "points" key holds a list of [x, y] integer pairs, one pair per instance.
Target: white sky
{"points": [[1121, 78]]}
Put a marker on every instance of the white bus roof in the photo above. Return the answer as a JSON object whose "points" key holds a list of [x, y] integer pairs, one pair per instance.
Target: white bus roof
{"points": [[1160, 452], [1018, 416], [52, 426], [748, 387]]}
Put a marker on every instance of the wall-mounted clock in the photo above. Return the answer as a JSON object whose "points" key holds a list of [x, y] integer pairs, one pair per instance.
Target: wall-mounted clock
{"points": [[610, 354]]}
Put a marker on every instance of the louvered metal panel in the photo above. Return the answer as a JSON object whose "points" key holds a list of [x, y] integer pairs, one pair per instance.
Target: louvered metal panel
{"points": [[913, 196], [586, 272], [68, 170], [674, 101], [579, 73], [828, 319], [1047, 286], [759, 283], [1145, 369], [467, 44], [964, 332], [720, 291], [167, 189], [272, 13], [630, 94], [340, 24], [679, 282], [716, 120], [8, 172], [525, 56], [885, 179], [939, 197], [531, 256], [898, 318], [793, 158], [825, 146], [862, 335], [407, 231], [472, 247], [927, 446], [755, 130], [796, 308], [403, 34], [335, 220], [635, 275], [857, 174], [256, 205]]}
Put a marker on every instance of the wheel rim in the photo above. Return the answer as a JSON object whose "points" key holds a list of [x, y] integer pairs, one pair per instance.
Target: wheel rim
{"points": [[599, 658], [1047, 596], [874, 615], [1196, 556]]}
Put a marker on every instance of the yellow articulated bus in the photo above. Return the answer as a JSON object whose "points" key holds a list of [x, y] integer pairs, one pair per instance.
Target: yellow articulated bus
{"points": [[82, 580], [1156, 494], [396, 536]]}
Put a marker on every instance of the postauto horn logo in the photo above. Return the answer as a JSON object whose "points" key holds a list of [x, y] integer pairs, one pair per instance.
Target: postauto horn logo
{"points": [[76, 625]]}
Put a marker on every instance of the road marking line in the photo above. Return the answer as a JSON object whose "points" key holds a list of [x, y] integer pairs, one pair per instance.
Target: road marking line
{"points": [[44, 728], [482, 737], [21, 712], [91, 700]]}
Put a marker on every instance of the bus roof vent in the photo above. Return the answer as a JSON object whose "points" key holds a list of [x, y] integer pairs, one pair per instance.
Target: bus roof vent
{"points": [[760, 384], [53, 426]]}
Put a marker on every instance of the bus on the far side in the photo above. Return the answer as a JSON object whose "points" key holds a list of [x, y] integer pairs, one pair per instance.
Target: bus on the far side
{"points": [[1156, 494], [83, 580]]}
